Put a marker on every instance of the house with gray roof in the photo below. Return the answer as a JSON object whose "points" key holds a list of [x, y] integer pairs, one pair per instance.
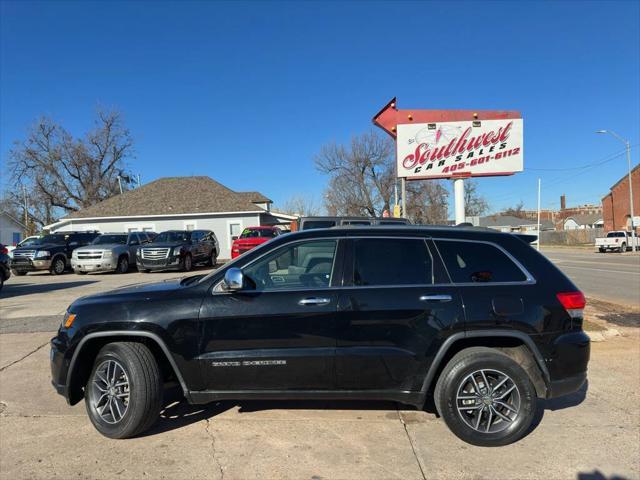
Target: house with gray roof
{"points": [[177, 203], [509, 223], [580, 222]]}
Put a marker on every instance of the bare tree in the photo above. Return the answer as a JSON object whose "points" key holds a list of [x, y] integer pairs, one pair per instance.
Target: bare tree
{"points": [[517, 211], [475, 203], [66, 173], [362, 179], [301, 205]]}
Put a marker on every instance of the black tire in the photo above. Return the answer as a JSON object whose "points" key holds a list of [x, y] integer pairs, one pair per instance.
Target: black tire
{"points": [[602, 250], [623, 247], [144, 394], [1, 282], [123, 264], [18, 274], [187, 263], [457, 373], [213, 259], [58, 266]]}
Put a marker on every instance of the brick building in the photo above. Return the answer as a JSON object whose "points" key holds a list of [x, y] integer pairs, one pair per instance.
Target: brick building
{"points": [[615, 205]]}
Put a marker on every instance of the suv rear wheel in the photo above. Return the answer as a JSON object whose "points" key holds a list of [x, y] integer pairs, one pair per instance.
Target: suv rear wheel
{"points": [[123, 395], [187, 263], [485, 397], [213, 259]]}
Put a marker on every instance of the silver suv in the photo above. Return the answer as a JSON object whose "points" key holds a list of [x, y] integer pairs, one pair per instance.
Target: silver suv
{"points": [[109, 252]]}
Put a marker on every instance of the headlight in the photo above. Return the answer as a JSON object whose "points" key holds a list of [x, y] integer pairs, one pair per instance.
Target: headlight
{"points": [[42, 254], [177, 250], [138, 252]]}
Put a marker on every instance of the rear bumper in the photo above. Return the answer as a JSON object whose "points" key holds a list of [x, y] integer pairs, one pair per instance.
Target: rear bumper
{"points": [[565, 386], [567, 362]]}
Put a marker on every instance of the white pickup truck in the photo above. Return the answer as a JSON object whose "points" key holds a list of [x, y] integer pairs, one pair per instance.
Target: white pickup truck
{"points": [[619, 240]]}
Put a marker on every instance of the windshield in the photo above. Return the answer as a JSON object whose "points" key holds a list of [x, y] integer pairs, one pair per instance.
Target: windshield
{"points": [[172, 237], [615, 234], [104, 239], [258, 232], [28, 241], [54, 238]]}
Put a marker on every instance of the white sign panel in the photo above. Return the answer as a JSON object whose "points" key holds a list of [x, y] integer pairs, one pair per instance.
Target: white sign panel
{"points": [[479, 148]]}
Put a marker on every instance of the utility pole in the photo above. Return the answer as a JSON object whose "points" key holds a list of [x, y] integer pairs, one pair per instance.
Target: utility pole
{"points": [[138, 179], [404, 197], [120, 184], [26, 209], [458, 195], [539, 182], [628, 147]]}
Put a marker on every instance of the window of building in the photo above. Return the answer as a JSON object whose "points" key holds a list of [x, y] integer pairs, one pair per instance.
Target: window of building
{"points": [[388, 261], [471, 262]]}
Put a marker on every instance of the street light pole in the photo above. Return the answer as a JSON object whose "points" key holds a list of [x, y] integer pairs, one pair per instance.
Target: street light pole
{"points": [[628, 147]]}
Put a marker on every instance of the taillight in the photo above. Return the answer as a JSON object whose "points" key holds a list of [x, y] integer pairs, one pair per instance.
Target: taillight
{"points": [[573, 303], [4, 250]]}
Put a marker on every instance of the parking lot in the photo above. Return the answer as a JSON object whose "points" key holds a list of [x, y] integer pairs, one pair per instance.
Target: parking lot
{"points": [[593, 434]]}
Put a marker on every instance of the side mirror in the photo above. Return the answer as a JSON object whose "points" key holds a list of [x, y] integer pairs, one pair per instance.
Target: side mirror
{"points": [[233, 280]]}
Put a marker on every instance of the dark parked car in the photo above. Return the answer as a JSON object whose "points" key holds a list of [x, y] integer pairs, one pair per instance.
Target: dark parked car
{"points": [[308, 223], [50, 252], [476, 320], [178, 250], [5, 262]]}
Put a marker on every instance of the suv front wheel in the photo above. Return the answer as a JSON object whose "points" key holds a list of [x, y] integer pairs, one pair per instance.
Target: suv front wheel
{"points": [[123, 395], [485, 397], [58, 266]]}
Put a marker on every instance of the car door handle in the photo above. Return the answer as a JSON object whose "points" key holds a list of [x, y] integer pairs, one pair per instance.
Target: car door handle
{"points": [[314, 301], [435, 298]]}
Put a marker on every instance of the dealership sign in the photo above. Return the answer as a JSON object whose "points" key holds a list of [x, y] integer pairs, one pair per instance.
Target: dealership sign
{"points": [[475, 148]]}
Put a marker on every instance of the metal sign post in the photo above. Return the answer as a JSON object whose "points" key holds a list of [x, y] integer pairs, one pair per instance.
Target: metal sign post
{"points": [[453, 144]]}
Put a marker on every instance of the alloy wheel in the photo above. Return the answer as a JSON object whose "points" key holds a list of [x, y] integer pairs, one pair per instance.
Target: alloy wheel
{"points": [[58, 266], [488, 401], [111, 391]]}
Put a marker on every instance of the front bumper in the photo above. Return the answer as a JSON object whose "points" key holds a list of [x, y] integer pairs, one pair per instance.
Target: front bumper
{"points": [[27, 265], [59, 367], [171, 263], [107, 264]]}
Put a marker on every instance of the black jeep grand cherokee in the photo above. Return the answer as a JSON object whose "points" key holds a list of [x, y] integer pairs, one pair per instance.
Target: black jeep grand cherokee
{"points": [[477, 320]]}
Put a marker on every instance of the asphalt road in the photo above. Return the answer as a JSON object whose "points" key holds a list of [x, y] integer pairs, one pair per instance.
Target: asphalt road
{"points": [[611, 277]]}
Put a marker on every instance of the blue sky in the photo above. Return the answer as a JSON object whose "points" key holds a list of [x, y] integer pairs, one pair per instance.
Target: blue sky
{"points": [[247, 92]]}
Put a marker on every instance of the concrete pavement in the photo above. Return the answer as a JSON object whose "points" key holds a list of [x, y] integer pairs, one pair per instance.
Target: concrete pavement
{"points": [[611, 277], [596, 430]]}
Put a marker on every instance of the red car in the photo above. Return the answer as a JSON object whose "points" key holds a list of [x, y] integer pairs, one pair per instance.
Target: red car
{"points": [[251, 237]]}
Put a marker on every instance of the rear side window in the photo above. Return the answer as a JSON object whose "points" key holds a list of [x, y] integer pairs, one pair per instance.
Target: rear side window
{"points": [[385, 261], [470, 262]]}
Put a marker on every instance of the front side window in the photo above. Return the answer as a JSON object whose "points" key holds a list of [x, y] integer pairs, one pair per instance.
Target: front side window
{"points": [[391, 261], [471, 262], [300, 265]]}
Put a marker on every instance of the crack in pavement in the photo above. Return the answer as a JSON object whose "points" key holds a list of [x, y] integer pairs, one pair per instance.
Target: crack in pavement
{"points": [[22, 358], [213, 447], [415, 454]]}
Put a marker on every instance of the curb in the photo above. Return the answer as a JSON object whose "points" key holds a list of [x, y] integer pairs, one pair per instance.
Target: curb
{"points": [[602, 335]]}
